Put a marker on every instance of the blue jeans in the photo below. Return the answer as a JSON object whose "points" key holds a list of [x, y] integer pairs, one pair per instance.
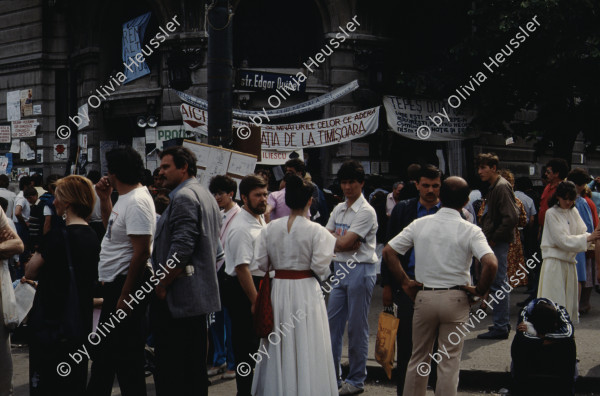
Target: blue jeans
{"points": [[349, 301], [501, 308], [223, 344]]}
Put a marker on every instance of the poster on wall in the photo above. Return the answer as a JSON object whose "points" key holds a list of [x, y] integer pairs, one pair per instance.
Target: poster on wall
{"points": [[60, 152], [4, 133], [133, 37], [13, 105], [26, 103]]}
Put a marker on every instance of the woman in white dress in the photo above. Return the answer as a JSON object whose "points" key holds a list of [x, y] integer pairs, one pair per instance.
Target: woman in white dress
{"points": [[296, 356], [564, 236]]}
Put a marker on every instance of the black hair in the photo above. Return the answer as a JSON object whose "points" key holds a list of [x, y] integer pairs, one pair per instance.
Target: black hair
{"points": [[222, 183], [4, 182], [454, 195], [51, 182], [30, 192], [297, 192], [413, 171], [160, 203], [429, 172], [37, 179], [578, 176], [181, 156], [4, 203], [297, 164], [250, 183], [559, 165], [564, 190], [24, 181], [351, 170], [147, 179], [523, 184], [156, 172], [126, 164], [94, 176], [544, 317]]}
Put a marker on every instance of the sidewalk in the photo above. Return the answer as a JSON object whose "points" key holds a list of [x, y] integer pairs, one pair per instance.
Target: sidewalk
{"points": [[486, 363]]}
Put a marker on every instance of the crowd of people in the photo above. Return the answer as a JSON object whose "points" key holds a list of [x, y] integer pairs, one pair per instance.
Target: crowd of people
{"points": [[143, 272]]}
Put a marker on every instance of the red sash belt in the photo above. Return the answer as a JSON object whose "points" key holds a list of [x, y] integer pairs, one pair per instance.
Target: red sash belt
{"points": [[291, 274]]}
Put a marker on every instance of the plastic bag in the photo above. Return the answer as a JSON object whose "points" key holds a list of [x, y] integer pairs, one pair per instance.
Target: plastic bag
{"points": [[386, 341], [9, 302]]}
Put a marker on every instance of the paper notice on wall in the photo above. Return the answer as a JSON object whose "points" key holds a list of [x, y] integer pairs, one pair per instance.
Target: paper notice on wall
{"points": [[139, 145], [13, 106], [26, 153], [39, 158], [15, 147], [84, 116], [4, 133], [150, 135], [3, 165], [89, 152], [24, 128], [83, 141], [37, 109], [26, 103]]}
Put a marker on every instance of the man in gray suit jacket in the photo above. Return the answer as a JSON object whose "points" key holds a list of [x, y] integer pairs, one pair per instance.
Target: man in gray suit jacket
{"points": [[185, 250]]}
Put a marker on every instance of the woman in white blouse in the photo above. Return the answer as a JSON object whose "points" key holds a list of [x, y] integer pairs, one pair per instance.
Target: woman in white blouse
{"points": [[296, 356], [564, 236]]}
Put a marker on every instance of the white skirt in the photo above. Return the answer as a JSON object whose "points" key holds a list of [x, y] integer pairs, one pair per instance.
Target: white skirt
{"points": [[296, 358], [558, 282]]}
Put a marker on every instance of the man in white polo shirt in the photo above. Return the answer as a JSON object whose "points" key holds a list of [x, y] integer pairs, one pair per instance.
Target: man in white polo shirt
{"points": [[444, 245], [124, 255], [241, 281], [354, 224]]}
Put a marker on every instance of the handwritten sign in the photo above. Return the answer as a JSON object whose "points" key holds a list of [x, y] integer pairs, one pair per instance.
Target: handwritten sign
{"points": [[4, 133], [289, 137], [24, 128], [212, 161], [404, 116]]}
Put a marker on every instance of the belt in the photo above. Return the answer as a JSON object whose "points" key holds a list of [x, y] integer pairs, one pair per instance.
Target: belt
{"points": [[291, 274], [441, 288]]}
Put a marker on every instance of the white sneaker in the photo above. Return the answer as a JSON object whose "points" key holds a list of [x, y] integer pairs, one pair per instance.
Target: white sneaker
{"points": [[349, 389]]}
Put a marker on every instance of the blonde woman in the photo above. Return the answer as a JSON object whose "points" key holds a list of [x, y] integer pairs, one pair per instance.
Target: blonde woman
{"points": [[50, 265]]}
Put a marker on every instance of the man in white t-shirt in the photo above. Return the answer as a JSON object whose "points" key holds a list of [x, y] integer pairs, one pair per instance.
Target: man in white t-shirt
{"points": [[354, 225], [126, 248], [242, 280], [7, 194], [444, 246]]}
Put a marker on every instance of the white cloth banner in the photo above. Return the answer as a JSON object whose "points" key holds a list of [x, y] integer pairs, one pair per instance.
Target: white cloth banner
{"points": [[290, 137], [405, 116], [282, 112]]}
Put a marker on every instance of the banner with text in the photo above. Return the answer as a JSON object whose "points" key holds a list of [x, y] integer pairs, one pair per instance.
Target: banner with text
{"points": [[289, 137], [404, 116]]}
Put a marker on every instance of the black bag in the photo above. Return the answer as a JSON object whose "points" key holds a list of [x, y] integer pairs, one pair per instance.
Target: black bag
{"points": [[67, 328]]}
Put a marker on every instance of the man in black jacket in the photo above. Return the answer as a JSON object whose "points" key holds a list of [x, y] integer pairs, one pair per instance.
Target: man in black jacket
{"points": [[428, 202]]}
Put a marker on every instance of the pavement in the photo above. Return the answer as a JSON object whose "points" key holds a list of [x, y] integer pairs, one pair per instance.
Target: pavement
{"points": [[485, 364]]}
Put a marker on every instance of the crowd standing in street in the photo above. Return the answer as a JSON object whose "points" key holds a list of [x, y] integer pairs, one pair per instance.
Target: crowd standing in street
{"points": [[172, 265]]}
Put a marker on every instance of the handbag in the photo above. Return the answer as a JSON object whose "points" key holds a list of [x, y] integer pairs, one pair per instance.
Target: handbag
{"points": [[386, 339], [263, 309], [69, 327], [9, 302]]}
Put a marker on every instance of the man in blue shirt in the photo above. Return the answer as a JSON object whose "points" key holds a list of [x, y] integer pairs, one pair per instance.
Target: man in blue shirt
{"points": [[428, 202]]}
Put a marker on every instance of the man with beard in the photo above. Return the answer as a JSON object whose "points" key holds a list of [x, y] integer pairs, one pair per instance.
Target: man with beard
{"points": [[405, 212], [241, 280], [187, 237]]}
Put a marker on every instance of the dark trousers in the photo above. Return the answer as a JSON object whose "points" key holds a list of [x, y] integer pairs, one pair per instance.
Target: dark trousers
{"points": [[404, 341], [180, 352], [244, 339], [544, 369], [44, 379], [121, 351]]}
